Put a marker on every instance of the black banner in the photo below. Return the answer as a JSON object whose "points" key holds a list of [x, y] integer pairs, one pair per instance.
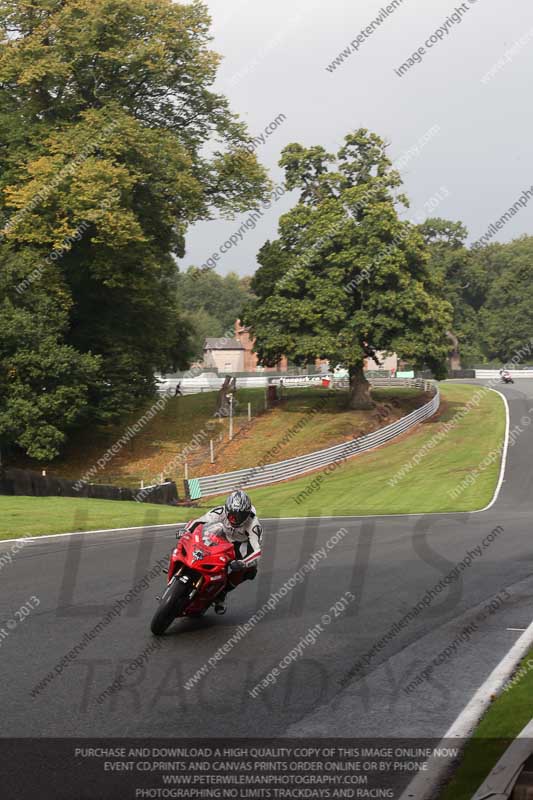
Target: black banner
{"points": [[149, 769]]}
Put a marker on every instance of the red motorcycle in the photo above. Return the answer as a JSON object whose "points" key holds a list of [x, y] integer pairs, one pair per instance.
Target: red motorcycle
{"points": [[197, 573]]}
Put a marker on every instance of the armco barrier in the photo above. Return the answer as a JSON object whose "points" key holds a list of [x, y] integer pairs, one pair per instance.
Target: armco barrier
{"points": [[292, 467], [417, 383], [461, 373]]}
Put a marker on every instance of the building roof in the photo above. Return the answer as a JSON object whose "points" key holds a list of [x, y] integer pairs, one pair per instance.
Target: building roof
{"points": [[222, 343]]}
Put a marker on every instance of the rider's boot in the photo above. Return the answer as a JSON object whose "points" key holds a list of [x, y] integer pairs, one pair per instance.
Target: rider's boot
{"points": [[220, 603]]}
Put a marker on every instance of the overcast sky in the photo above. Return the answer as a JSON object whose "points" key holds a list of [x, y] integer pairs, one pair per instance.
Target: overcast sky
{"points": [[474, 163]]}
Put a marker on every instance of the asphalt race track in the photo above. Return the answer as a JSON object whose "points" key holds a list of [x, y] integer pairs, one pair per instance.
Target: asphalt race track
{"points": [[387, 563]]}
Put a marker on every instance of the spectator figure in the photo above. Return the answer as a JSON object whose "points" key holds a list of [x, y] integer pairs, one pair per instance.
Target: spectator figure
{"points": [[371, 353], [177, 390]]}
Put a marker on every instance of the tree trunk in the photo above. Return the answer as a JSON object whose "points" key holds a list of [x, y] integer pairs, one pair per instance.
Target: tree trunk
{"points": [[222, 400], [359, 389], [455, 356]]}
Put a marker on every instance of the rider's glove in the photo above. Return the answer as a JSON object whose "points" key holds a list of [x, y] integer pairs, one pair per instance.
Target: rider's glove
{"points": [[236, 566], [186, 529]]}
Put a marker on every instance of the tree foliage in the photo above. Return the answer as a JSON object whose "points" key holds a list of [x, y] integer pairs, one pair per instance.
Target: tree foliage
{"points": [[44, 383], [488, 287], [507, 314], [346, 273], [212, 302], [106, 107], [464, 285]]}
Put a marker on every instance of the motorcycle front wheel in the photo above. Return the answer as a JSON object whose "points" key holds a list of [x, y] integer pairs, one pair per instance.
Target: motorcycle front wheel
{"points": [[172, 604]]}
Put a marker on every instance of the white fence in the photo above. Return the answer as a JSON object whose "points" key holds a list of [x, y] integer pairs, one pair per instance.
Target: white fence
{"points": [[292, 467], [487, 374], [209, 382]]}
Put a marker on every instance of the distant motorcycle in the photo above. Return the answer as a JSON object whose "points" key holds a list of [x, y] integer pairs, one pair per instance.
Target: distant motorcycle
{"points": [[507, 379], [197, 573]]}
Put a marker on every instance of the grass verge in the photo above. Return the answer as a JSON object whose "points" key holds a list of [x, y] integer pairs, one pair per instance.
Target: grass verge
{"points": [[358, 487], [182, 429], [146, 455], [308, 420], [36, 516], [504, 720], [362, 485]]}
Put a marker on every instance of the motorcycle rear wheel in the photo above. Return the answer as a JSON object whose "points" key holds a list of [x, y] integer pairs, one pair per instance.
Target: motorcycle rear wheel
{"points": [[171, 606]]}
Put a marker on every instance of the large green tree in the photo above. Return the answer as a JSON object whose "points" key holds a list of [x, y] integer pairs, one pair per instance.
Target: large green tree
{"points": [[507, 315], [44, 383], [346, 273], [106, 108], [489, 288], [465, 283]]}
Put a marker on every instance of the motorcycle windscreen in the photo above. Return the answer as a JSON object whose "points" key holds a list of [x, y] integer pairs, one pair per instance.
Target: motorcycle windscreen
{"points": [[211, 534]]}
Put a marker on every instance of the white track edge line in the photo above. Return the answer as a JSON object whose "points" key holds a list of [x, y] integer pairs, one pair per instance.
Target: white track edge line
{"points": [[504, 454], [83, 533], [423, 786]]}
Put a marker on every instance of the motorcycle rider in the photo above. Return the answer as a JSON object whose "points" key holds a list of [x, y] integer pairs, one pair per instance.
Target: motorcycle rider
{"points": [[241, 527]]}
